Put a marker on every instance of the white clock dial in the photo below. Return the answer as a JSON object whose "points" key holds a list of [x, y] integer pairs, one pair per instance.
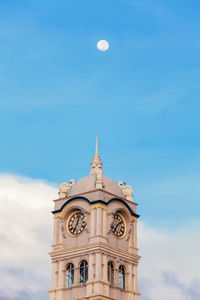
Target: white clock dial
{"points": [[76, 223], [117, 226]]}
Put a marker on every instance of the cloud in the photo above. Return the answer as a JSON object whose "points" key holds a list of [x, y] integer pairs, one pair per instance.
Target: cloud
{"points": [[25, 235], [169, 267]]}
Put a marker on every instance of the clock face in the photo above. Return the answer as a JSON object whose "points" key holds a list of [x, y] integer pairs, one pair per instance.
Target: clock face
{"points": [[76, 223], [117, 226]]}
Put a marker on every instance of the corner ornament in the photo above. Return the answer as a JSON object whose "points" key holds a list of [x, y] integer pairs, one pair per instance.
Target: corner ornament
{"points": [[127, 190], [63, 228], [65, 188]]}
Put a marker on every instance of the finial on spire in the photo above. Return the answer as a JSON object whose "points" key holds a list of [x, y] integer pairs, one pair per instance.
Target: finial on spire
{"points": [[96, 142]]}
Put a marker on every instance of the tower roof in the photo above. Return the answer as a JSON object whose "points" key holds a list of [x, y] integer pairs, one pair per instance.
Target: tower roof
{"points": [[88, 183], [96, 164], [95, 180]]}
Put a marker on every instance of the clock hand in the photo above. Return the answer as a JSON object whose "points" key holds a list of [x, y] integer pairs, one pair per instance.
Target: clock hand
{"points": [[113, 225], [77, 223], [117, 225]]}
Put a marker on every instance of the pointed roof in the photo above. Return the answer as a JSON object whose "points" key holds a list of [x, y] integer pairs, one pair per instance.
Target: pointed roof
{"points": [[96, 179], [96, 164]]}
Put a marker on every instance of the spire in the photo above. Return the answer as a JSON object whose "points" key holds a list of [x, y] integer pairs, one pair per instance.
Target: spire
{"points": [[96, 161], [96, 167], [96, 144]]}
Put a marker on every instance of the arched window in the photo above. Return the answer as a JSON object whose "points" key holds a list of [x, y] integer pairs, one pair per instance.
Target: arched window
{"points": [[83, 272], [110, 272], [69, 275], [122, 277]]}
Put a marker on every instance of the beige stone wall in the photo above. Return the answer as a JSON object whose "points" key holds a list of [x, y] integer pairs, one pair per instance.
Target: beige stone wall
{"points": [[97, 245]]}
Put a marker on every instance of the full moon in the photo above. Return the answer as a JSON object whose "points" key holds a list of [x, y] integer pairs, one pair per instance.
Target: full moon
{"points": [[102, 45]]}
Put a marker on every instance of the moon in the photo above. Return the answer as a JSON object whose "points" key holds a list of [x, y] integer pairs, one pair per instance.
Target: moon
{"points": [[103, 45]]}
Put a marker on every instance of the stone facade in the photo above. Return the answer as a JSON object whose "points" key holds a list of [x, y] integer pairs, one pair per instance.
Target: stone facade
{"points": [[94, 252]]}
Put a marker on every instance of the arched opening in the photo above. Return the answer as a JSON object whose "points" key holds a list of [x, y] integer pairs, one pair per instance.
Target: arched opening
{"points": [[122, 277], [111, 272], [69, 275], [83, 272]]}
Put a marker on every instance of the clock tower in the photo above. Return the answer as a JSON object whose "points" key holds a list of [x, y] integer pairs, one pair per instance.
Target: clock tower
{"points": [[94, 253]]}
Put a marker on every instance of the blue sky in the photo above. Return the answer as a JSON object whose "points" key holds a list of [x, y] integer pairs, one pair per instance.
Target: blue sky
{"points": [[56, 88]]}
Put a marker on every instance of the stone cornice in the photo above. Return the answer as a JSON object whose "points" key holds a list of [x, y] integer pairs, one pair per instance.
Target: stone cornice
{"points": [[91, 248]]}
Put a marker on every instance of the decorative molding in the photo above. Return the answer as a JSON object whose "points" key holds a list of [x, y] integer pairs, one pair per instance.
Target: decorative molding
{"points": [[65, 188], [130, 230], [98, 205], [127, 190], [134, 218], [67, 203], [57, 216], [63, 228], [65, 206]]}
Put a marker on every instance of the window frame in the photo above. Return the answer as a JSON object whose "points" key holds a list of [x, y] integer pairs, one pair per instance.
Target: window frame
{"points": [[111, 277], [69, 275], [83, 272], [122, 277]]}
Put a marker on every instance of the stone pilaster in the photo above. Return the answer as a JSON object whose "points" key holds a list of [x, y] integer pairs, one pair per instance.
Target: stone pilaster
{"points": [[56, 231]]}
